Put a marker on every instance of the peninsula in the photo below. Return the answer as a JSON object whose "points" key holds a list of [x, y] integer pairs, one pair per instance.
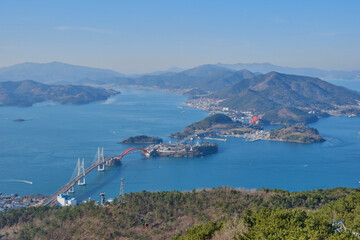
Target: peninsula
{"points": [[281, 98], [28, 92], [223, 126]]}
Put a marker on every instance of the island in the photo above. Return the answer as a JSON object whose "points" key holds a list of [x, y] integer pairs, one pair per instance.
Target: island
{"points": [[19, 120], [220, 125], [181, 150], [28, 92], [142, 139]]}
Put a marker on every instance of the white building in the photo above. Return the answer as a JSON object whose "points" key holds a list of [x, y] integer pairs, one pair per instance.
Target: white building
{"points": [[65, 200]]}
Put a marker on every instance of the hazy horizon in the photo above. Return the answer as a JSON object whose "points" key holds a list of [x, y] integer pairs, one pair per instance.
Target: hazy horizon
{"points": [[176, 67], [143, 36]]}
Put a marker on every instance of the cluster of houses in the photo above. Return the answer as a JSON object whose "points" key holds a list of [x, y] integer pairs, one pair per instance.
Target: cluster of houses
{"points": [[14, 201]]}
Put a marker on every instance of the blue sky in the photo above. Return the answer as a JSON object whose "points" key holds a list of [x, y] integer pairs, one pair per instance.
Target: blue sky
{"points": [[141, 36]]}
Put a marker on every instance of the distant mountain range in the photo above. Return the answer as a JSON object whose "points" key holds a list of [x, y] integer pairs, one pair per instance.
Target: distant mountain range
{"points": [[236, 87], [26, 93], [57, 72], [170, 70], [54, 72], [311, 72]]}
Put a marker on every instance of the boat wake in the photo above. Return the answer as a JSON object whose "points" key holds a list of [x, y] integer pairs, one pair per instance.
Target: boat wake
{"points": [[23, 181]]}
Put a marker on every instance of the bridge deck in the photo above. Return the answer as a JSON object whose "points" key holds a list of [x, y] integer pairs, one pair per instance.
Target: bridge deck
{"points": [[67, 186]]}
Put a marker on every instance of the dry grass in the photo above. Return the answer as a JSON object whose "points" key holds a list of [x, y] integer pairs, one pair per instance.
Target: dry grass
{"points": [[165, 213]]}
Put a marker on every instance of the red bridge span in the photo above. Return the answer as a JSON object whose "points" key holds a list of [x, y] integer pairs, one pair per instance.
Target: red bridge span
{"points": [[82, 172], [131, 149]]}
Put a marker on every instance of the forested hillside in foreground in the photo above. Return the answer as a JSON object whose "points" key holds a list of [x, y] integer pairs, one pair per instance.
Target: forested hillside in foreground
{"points": [[222, 213]]}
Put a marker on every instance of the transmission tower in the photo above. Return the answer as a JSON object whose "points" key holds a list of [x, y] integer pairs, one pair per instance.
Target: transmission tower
{"points": [[122, 191], [102, 196]]}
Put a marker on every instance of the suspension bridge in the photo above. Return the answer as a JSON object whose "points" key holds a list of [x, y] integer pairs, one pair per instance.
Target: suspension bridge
{"points": [[80, 172]]}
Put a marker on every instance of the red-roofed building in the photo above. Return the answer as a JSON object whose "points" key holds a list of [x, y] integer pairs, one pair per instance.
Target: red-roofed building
{"points": [[254, 119]]}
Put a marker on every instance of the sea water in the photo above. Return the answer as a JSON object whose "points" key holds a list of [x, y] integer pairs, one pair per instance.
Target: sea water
{"points": [[45, 148]]}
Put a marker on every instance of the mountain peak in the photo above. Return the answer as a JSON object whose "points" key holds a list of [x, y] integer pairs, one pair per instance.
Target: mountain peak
{"points": [[207, 69], [274, 74], [175, 69]]}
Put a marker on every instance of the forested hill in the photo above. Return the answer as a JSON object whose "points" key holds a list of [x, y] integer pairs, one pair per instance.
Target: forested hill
{"points": [[273, 90], [208, 122], [222, 213], [259, 93], [26, 93], [206, 78]]}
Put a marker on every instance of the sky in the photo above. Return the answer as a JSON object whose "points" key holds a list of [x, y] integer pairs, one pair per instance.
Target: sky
{"points": [[142, 36]]}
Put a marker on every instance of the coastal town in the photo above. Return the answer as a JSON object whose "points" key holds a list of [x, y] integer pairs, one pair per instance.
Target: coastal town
{"points": [[212, 107], [15, 201], [249, 127], [250, 135]]}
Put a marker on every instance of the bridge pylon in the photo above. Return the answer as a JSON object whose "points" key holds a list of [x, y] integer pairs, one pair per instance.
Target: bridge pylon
{"points": [[100, 155], [81, 171], [71, 190]]}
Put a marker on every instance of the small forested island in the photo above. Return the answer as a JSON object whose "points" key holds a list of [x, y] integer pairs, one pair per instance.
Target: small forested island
{"points": [[298, 133], [221, 213], [142, 139], [19, 120], [28, 92], [179, 150]]}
